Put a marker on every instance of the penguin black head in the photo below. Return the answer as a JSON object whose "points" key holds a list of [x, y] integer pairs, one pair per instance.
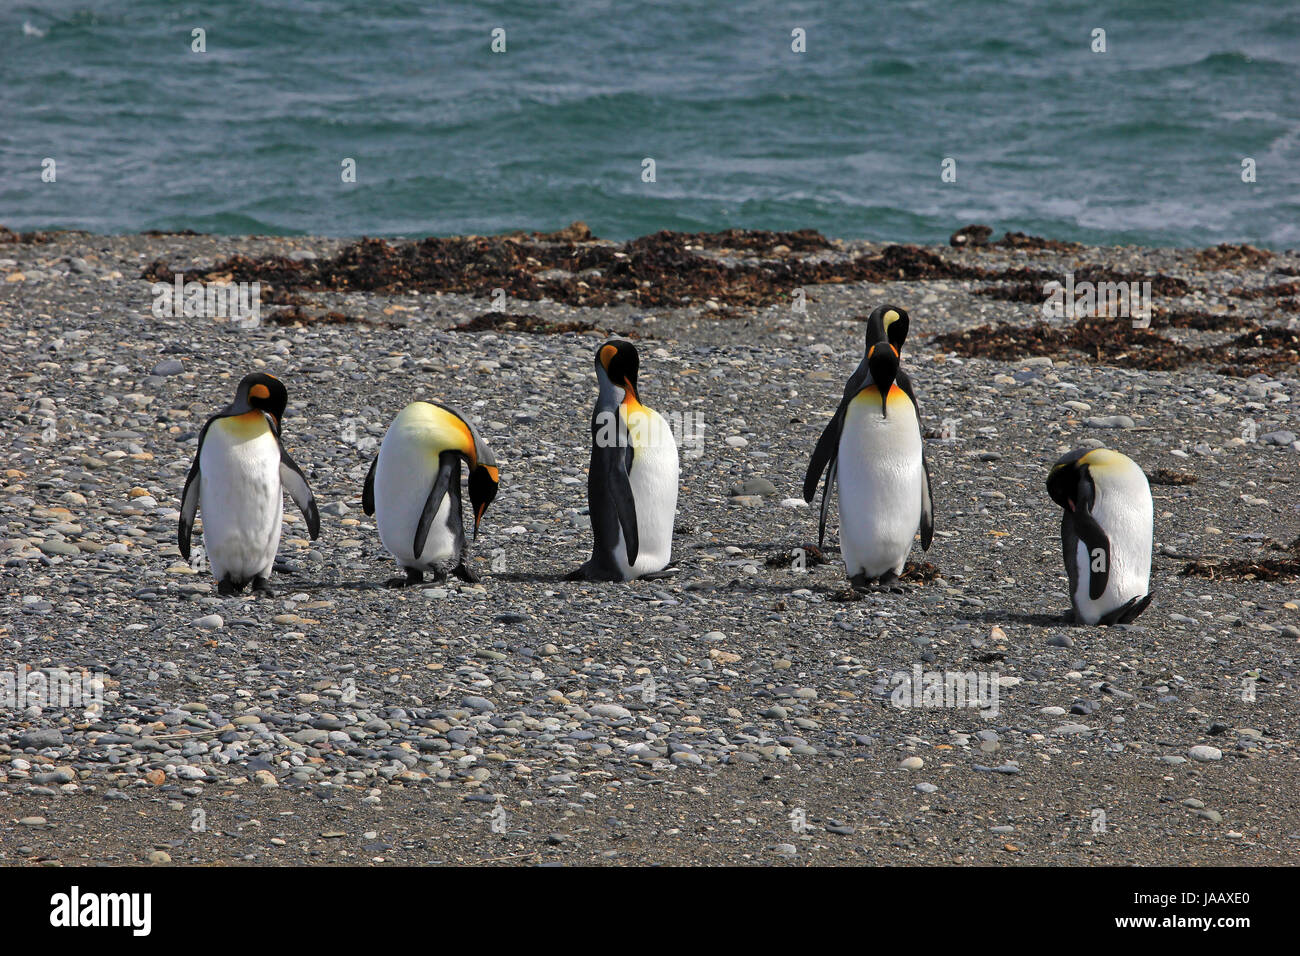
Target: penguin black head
{"points": [[620, 362], [1063, 479], [882, 361], [261, 392], [483, 480], [887, 322]]}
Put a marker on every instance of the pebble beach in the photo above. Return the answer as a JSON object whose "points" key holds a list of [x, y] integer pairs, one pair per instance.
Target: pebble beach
{"points": [[738, 711]]}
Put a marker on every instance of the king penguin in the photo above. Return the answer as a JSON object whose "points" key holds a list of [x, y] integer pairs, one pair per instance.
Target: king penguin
{"points": [[413, 489], [872, 446], [632, 482], [1105, 533], [239, 476]]}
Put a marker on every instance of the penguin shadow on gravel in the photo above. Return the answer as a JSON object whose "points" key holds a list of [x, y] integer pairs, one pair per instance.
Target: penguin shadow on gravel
{"points": [[1060, 619], [558, 576], [804, 559], [1064, 618]]}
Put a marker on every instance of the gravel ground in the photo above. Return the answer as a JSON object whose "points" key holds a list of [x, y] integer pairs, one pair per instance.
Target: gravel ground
{"points": [[738, 711]]}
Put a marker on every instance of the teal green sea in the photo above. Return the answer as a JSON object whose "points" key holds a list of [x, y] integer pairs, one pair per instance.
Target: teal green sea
{"points": [[1142, 143]]}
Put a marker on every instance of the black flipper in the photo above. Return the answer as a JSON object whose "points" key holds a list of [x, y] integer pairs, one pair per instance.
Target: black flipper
{"points": [[824, 454], [904, 382], [455, 519], [440, 485], [1070, 552], [368, 490], [295, 482], [189, 508], [1094, 539], [190, 497], [828, 445], [625, 502], [826, 501], [927, 507], [612, 504]]}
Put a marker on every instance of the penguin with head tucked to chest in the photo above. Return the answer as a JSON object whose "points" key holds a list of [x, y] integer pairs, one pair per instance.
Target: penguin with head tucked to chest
{"points": [[1106, 532], [238, 479], [413, 489]]}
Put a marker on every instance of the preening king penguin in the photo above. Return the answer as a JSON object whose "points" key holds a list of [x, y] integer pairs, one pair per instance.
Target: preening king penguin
{"points": [[239, 476], [413, 489], [632, 482], [872, 447], [1105, 533]]}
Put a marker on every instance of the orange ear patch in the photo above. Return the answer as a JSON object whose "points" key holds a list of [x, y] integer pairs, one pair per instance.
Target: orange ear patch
{"points": [[259, 391], [607, 355]]}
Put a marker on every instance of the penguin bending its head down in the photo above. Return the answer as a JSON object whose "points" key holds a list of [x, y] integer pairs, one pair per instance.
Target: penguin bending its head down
{"points": [[1105, 533], [413, 489], [239, 476], [872, 446], [632, 482], [888, 323]]}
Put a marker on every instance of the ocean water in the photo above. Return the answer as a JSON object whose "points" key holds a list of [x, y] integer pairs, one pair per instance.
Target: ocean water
{"points": [[1143, 143]]}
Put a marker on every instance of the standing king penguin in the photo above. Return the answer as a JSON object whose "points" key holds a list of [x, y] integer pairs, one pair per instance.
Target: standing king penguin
{"points": [[632, 482], [239, 476], [1105, 533], [872, 445], [413, 488]]}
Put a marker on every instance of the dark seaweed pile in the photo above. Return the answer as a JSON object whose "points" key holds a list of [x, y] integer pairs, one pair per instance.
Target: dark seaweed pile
{"points": [[1268, 350], [661, 270], [1260, 567]]}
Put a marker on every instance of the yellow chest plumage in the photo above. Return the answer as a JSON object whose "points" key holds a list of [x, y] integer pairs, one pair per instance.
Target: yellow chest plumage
{"points": [[243, 427]]}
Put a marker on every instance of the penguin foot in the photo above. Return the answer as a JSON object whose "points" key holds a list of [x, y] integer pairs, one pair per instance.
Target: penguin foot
{"points": [[1127, 612], [228, 588], [463, 572], [887, 583], [262, 587], [590, 571], [891, 582], [665, 573], [413, 576]]}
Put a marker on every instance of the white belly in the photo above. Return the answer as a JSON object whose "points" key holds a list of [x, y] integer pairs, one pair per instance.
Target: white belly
{"points": [[880, 476], [241, 501], [654, 480], [1122, 506], [404, 477]]}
